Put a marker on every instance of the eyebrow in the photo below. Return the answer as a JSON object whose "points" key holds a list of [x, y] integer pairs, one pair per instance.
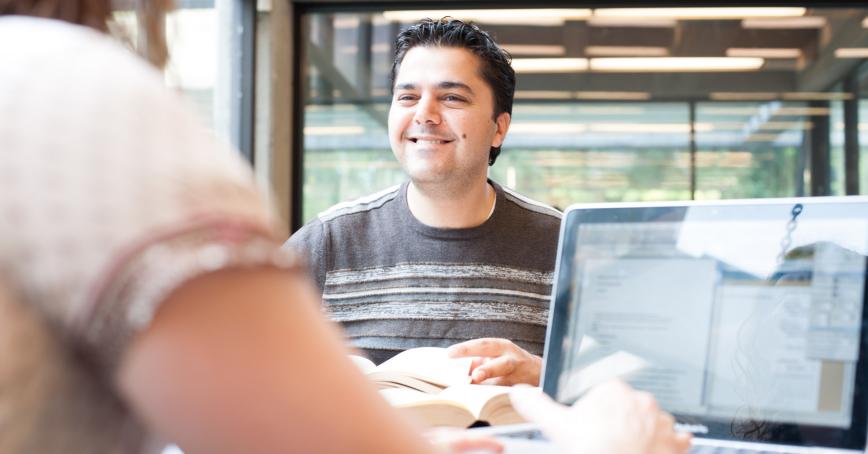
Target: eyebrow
{"points": [[445, 85], [459, 85]]}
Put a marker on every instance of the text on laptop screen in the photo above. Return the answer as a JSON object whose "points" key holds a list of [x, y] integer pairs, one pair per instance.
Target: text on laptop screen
{"points": [[742, 315]]}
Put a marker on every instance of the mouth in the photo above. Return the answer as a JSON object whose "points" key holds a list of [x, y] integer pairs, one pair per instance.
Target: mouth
{"points": [[429, 140]]}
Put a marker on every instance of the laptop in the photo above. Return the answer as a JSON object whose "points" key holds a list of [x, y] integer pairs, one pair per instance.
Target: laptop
{"points": [[744, 318]]}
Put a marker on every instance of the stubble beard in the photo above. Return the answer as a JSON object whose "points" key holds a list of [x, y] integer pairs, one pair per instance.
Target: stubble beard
{"points": [[445, 186], [440, 184]]}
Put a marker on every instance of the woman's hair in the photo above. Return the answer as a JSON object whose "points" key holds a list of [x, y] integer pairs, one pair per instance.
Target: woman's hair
{"points": [[97, 14]]}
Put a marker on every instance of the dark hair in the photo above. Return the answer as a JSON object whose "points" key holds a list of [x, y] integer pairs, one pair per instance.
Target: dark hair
{"points": [[496, 70], [97, 14]]}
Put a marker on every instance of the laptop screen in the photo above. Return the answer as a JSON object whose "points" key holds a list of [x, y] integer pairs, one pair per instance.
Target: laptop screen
{"points": [[743, 318]]}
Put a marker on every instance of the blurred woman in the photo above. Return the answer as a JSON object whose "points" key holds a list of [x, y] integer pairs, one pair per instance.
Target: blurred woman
{"points": [[144, 297]]}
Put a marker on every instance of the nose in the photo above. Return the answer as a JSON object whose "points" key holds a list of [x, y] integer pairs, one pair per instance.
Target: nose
{"points": [[427, 111]]}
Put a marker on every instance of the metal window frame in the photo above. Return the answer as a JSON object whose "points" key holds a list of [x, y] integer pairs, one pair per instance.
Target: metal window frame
{"points": [[242, 77]]}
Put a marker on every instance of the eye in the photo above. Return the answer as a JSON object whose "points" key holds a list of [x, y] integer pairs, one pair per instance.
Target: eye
{"points": [[406, 98], [454, 98]]}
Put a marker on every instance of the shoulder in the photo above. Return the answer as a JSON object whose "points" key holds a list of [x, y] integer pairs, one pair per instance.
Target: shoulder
{"points": [[94, 94], [82, 55], [531, 207], [103, 101], [342, 211], [55, 35], [349, 224], [83, 84], [309, 234]]}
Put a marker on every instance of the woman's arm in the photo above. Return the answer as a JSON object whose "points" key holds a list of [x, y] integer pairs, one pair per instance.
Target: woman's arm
{"points": [[243, 361]]}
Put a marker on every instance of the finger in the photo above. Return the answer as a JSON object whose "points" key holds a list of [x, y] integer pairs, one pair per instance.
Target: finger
{"points": [[666, 421], [682, 441], [535, 406], [497, 367], [456, 440], [477, 361], [668, 440], [664, 433], [647, 404], [475, 443], [487, 346], [497, 381]]}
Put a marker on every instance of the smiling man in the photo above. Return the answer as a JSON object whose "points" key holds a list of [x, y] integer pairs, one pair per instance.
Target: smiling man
{"points": [[450, 256]]}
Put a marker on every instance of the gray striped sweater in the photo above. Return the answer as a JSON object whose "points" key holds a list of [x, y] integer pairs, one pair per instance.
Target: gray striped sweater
{"points": [[395, 283]]}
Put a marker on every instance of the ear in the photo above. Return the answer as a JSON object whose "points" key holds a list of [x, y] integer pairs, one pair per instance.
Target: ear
{"points": [[502, 125]]}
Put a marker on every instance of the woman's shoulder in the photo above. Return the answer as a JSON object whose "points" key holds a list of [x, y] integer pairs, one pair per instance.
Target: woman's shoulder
{"points": [[36, 37], [66, 60]]}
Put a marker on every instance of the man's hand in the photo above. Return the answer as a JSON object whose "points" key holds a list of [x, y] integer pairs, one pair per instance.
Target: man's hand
{"points": [[499, 362], [611, 419]]}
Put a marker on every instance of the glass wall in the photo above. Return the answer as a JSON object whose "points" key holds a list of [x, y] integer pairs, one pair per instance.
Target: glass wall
{"points": [[751, 149], [568, 152], [192, 36], [191, 32], [611, 104]]}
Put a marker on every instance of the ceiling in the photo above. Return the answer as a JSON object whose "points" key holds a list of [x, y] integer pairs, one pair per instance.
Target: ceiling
{"points": [[351, 54]]}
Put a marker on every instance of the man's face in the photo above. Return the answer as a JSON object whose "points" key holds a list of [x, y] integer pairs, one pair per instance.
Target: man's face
{"points": [[441, 124]]}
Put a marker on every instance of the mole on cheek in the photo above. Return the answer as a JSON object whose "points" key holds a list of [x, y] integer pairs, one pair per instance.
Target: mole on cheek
{"points": [[463, 136]]}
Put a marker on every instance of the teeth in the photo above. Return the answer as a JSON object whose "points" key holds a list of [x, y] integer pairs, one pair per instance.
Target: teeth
{"points": [[430, 142]]}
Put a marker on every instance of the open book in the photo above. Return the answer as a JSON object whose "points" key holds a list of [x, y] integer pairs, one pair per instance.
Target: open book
{"points": [[456, 406], [435, 389], [425, 369]]}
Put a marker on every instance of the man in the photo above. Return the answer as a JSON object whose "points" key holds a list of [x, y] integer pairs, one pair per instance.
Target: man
{"points": [[450, 255]]}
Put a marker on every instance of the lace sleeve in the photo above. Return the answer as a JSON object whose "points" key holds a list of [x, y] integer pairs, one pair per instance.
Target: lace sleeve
{"points": [[146, 275]]}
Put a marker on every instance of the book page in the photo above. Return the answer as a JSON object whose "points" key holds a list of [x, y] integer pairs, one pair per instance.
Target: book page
{"points": [[402, 397], [475, 397], [364, 364], [429, 409], [431, 364], [391, 379]]}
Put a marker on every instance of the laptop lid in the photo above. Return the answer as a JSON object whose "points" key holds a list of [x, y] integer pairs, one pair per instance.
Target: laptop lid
{"points": [[744, 318]]}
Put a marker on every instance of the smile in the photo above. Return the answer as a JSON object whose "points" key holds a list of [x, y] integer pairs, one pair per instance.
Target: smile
{"points": [[429, 141]]}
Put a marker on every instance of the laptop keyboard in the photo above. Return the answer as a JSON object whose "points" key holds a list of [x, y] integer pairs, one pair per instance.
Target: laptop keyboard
{"points": [[532, 434], [705, 446], [699, 446], [695, 449], [723, 450]]}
